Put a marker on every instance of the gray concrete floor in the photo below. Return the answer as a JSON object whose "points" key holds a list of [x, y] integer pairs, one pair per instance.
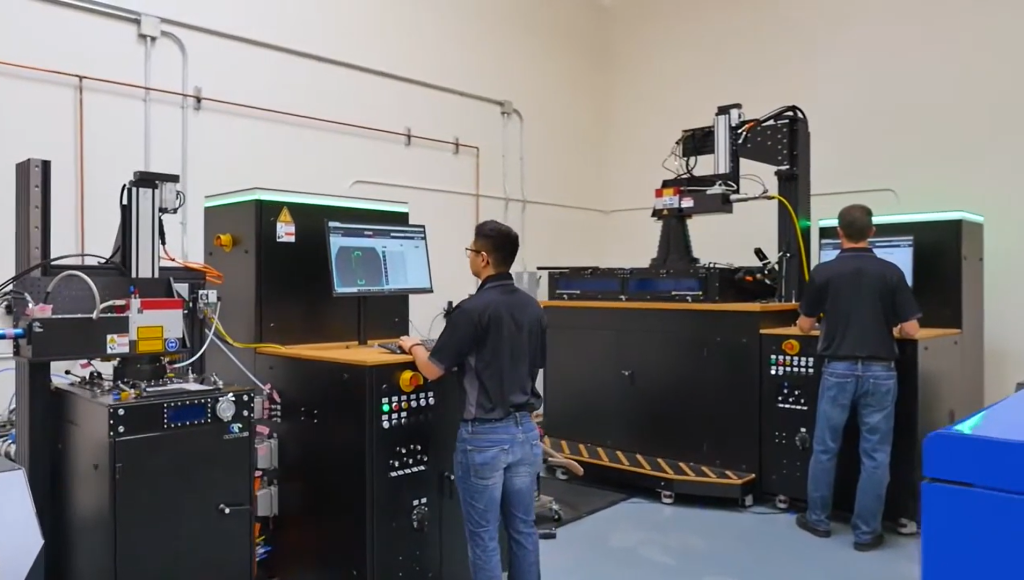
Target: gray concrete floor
{"points": [[643, 540]]}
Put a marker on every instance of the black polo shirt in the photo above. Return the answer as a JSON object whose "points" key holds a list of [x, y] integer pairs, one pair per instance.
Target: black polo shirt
{"points": [[497, 339], [862, 298]]}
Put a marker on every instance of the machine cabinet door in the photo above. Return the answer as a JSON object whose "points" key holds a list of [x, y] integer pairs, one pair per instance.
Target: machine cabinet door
{"points": [[183, 505], [584, 386], [658, 416]]}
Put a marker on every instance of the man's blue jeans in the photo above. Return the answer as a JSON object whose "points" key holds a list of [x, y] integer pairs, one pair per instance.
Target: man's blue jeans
{"points": [[870, 388], [496, 469]]}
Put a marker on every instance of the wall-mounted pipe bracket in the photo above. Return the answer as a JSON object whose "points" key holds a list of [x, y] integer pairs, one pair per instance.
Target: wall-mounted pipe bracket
{"points": [[197, 94], [149, 26], [455, 141], [507, 108], [408, 136]]}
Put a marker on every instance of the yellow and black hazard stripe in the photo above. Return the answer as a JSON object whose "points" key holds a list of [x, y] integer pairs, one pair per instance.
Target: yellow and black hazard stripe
{"points": [[653, 466]]}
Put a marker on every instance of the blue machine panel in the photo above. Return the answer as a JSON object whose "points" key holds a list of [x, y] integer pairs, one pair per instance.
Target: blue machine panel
{"points": [[970, 533], [985, 450]]}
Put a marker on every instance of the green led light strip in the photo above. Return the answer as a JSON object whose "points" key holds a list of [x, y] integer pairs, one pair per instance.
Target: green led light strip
{"points": [[904, 218], [302, 198]]}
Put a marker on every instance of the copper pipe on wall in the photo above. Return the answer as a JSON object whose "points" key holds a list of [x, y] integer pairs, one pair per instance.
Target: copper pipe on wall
{"points": [[81, 167], [82, 78]]}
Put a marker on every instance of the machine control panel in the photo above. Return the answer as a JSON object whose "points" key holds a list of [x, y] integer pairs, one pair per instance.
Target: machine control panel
{"points": [[407, 459], [407, 491], [407, 409], [151, 415], [790, 373]]}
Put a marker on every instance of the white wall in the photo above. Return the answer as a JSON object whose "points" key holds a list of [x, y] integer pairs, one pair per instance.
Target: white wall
{"points": [[541, 55], [915, 96]]}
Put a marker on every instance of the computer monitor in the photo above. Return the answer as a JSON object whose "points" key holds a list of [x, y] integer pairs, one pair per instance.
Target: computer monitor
{"points": [[898, 250], [366, 259]]}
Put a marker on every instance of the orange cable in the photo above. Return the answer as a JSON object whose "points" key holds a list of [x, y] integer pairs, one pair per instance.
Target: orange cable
{"points": [[212, 275]]}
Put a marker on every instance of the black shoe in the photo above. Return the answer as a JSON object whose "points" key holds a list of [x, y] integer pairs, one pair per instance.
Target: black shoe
{"points": [[803, 524], [872, 544]]}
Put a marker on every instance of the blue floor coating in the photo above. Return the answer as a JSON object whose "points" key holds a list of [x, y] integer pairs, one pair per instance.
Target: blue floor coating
{"points": [[651, 541]]}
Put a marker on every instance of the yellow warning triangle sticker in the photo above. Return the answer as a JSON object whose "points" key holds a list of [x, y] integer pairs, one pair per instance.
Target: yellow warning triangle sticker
{"points": [[285, 217]]}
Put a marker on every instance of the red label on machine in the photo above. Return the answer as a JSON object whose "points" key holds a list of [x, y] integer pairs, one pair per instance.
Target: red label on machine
{"points": [[161, 304], [667, 198]]}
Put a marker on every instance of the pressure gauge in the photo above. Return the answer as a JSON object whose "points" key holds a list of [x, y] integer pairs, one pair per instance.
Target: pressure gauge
{"points": [[226, 408]]}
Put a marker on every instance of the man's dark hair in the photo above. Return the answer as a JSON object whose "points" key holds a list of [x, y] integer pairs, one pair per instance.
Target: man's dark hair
{"points": [[499, 242], [855, 223]]}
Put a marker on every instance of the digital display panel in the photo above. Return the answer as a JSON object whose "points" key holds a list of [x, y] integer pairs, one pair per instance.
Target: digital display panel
{"points": [[186, 414]]}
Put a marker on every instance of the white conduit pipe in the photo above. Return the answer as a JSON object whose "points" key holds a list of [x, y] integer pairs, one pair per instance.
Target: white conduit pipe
{"points": [[133, 16], [184, 137]]}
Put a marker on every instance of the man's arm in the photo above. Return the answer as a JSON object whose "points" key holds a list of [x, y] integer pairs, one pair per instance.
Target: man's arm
{"points": [[812, 305], [421, 357], [452, 348], [906, 308]]}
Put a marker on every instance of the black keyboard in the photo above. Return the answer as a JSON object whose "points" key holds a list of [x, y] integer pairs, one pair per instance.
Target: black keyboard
{"points": [[394, 348]]}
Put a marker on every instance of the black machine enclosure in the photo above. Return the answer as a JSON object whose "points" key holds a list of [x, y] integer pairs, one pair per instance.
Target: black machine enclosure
{"points": [[949, 280], [930, 397], [675, 383], [281, 292], [688, 284], [142, 497], [365, 493]]}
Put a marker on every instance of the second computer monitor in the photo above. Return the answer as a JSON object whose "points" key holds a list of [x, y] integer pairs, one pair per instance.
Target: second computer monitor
{"points": [[378, 259], [898, 250]]}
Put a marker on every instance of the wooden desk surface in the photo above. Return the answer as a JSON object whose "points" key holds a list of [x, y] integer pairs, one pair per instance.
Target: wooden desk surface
{"points": [[720, 307], [925, 334], [340, 352]]}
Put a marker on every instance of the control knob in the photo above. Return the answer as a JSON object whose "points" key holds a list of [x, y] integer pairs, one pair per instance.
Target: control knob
{"points": [[226, 408], [420, 518], [803, 441]]}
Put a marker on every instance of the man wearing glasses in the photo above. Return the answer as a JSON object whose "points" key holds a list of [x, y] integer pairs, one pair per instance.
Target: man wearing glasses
{"points": [[496, 341]]}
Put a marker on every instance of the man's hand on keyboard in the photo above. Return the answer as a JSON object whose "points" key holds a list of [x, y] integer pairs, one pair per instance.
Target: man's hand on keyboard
{"points": [[407, 342]]}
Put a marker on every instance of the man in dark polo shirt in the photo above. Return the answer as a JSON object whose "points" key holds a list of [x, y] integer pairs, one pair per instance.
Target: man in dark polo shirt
{"points": [[862, 299], [496, 340]]}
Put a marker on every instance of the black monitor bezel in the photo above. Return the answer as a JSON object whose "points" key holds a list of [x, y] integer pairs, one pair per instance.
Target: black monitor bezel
{"points": [[363, 294]]}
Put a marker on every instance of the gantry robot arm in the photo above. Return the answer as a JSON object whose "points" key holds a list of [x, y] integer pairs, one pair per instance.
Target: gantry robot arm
{"points": [[780, 139]]}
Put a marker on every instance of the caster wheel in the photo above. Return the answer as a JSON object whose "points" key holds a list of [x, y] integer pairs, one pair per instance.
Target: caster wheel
{"points": [[907, 528], [561, 474], [556, 515], [782, 502], [668, 498]]}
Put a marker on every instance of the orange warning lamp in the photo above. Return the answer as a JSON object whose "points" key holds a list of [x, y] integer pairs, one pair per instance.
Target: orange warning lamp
{"points": [[791, 347], [224, 242], [410, 380]]}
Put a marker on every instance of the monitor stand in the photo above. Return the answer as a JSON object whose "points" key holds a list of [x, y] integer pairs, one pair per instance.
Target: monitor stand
{"points": [[361, 320]]}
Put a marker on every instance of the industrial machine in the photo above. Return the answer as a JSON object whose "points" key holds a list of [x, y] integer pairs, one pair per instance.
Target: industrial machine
{"points": [[133, 469], [361, 446], [272, 248], [948, 274], [938, 372], [973, 499], [780, 139], [652, 372], [930, 396]]}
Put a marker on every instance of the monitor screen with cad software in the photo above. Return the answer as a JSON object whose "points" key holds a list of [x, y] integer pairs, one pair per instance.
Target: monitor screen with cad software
{"points": [[898, 250], [378, 259]]}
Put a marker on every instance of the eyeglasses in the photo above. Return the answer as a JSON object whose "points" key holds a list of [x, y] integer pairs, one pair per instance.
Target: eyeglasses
{"points": [[471, 251]]}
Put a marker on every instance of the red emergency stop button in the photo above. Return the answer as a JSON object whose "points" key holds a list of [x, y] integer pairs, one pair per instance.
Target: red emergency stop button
{"points": [[409, 381]]}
